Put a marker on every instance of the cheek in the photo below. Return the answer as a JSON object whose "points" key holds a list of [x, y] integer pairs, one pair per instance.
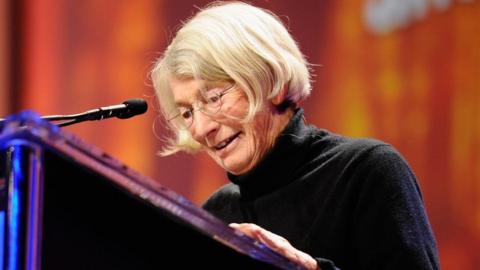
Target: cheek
{"points": [[254, 145], [237, 108], [262, 138], [249, 142]]}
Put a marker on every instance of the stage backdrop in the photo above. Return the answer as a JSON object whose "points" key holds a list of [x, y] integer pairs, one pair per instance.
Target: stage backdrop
{"points": [[406, 72], [4, 57]]}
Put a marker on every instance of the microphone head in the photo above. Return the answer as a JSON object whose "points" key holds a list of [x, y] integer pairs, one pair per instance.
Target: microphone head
{"points": [[134, 107]]}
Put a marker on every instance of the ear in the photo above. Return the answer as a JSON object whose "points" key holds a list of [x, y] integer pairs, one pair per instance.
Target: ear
{"points": [[280, 97]]}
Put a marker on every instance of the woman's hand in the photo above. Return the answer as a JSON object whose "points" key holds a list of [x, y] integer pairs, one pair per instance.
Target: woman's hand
{"points": [[278, 244]]}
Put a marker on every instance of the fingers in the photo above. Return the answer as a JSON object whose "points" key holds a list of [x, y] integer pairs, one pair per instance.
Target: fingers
{"points": [[249, 229], [276, 243]]}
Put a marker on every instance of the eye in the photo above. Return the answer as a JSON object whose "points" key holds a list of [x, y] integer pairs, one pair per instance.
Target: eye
{"points": [[186, 113], [214, 95], [214, 98]]}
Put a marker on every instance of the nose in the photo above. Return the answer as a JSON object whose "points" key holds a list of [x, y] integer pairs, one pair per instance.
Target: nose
{"points": [[203, 127]]}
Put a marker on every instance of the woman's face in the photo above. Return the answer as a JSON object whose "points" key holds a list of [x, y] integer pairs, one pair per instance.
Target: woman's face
{"points": [[234, 145]]}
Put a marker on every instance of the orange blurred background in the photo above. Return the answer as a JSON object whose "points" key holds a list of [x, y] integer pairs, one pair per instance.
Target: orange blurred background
{"points": [[406, 72]]}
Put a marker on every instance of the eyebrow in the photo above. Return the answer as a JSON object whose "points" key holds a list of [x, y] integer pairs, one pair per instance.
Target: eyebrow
{"points": [[182, 104]]}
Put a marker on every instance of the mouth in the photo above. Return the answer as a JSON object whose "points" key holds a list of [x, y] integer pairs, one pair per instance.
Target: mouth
{"points": [[226, 142]]}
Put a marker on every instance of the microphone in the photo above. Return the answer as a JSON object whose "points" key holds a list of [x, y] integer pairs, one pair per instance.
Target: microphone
{"points": [[125, 110]]}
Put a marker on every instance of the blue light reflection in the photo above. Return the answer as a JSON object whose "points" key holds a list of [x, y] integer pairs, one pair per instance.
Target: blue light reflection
{"points": [[2, 237], [14, 217]]}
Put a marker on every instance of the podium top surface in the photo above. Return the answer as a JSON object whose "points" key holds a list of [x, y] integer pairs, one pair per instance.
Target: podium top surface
{"points": [[27, 128]]}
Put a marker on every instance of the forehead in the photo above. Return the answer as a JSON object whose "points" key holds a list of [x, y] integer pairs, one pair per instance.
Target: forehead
{"points": [[185, 90]]}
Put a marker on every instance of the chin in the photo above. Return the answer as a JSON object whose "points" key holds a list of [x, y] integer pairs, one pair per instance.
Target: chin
{"points": [[238, 161], [234, 167]]}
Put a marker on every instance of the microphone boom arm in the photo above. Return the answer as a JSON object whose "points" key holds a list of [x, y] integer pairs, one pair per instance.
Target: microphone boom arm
{"points": [[125, 110]]}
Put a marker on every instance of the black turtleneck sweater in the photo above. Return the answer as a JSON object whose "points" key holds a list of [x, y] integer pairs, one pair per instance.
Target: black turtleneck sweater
{"points": [[350, 203]]}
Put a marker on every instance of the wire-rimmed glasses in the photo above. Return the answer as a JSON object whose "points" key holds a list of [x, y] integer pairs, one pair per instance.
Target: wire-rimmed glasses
{"points": [[211, 104]]}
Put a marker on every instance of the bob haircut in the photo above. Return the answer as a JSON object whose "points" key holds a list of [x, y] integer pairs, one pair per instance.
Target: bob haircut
{"points": [[231, 42]]}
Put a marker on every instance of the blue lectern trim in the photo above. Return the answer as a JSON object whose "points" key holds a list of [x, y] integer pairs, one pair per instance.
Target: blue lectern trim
{"points": [[2, 238], [14, 218]]}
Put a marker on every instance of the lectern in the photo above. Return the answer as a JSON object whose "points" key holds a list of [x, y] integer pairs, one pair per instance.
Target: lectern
{"points": [[65, 204]]}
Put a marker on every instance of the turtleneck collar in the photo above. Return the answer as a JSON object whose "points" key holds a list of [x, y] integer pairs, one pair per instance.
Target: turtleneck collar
{"points": [[275, 169]]}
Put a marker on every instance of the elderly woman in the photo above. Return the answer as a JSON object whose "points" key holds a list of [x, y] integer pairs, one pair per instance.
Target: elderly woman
{"points": [[231, 83]]}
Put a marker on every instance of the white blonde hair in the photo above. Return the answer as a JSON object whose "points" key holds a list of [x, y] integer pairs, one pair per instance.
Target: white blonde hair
{"points": [[233, 42]]}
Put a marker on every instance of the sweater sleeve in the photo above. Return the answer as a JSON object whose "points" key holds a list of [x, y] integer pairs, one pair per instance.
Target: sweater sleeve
{"points": [[325, 264], [391, 228]]}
